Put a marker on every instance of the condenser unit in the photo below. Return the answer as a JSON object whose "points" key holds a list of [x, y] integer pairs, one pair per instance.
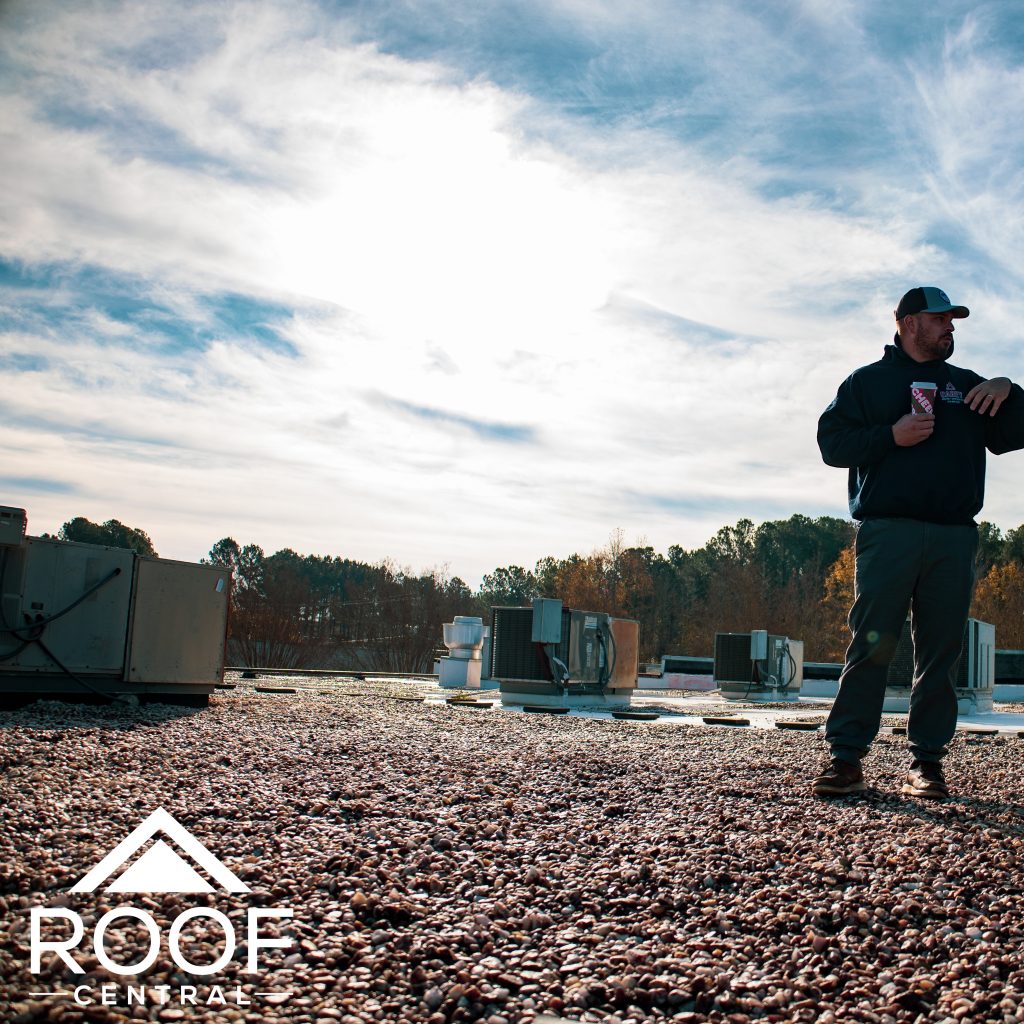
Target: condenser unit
{"points": [[514, 652], [758, 665], [976, 670], [553, 650], [86, 619]]}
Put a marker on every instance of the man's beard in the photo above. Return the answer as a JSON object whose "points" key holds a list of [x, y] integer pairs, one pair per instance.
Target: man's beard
{"points": [[939, 348]]}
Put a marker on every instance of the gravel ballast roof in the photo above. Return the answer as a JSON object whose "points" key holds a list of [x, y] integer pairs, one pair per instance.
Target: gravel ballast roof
{"points": [[446, 863]]}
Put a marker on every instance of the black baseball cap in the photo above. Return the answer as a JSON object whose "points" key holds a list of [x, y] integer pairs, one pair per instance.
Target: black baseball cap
{"points": [[928, 300]]}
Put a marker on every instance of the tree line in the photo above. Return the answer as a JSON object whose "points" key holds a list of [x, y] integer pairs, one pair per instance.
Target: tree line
{"points": [[790, 576]]}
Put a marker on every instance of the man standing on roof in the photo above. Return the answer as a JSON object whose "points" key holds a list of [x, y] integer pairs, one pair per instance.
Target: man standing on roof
{"points": [[916, 482]]}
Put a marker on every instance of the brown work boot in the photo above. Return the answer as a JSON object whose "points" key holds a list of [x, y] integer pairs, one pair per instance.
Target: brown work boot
{"points": [[925, 780], [839, 778]]}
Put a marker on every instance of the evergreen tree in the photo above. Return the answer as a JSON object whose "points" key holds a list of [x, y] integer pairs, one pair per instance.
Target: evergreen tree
{"points": [[112, 533]]}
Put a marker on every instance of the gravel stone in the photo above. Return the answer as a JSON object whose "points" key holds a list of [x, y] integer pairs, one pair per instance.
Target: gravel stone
{"points": [[514, 868]]}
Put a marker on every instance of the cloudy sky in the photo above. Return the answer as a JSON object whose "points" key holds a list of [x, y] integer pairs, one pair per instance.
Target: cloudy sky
{"points": [[471, 283]]}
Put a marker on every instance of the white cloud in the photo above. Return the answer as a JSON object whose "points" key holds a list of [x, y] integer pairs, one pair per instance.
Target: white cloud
{"points": [[969, 138], [651, 318]]}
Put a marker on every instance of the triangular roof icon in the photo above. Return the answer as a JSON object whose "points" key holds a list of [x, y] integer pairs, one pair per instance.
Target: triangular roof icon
{"points": [[160, 869]]}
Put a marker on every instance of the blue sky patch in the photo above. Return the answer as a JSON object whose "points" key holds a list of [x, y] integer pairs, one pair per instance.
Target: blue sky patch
{"points": [[488, 430], [42, 295], [23, 362], [690, 331], [51, 422], [128, 134], [37, 485], [697, 504]]}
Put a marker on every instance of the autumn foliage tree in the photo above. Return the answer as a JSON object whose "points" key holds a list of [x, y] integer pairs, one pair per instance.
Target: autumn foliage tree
{"points": [[836, 604], [998, 595], [790, 576], [999, 599], [745, 577]]}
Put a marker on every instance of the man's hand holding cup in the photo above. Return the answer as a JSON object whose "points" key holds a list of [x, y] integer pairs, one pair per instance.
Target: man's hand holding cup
{"points": [[918, 424], [913, 428]]}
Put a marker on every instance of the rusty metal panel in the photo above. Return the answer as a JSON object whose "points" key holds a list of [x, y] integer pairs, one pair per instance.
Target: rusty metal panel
{"points": [[626, 634]]}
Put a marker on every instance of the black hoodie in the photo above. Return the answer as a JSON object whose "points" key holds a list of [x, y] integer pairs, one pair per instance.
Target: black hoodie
{"points": [[940, 480]]}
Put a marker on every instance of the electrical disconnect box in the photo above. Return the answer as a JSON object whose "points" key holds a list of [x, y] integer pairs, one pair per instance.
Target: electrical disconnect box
{"points": [[86, 619], [758, 644], [546, 624]]}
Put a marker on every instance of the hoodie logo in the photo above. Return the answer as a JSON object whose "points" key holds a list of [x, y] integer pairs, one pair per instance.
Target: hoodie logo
{"points": [[951, 395]]}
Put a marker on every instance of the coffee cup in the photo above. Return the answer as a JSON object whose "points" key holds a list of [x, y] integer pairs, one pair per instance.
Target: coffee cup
{"points": [[922, 397]]}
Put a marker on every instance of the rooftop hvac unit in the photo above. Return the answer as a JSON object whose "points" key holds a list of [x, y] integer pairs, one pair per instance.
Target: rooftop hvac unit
{"points": [[84, 618], [758, 666], [550, 649], [976, 671], [514, 652]]}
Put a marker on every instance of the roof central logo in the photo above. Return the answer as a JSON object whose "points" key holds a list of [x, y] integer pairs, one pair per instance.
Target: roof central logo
{"points": [[160, 868]]}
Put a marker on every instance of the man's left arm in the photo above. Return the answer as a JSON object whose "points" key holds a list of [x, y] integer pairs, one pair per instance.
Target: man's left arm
{"points": [[1003, 432]]}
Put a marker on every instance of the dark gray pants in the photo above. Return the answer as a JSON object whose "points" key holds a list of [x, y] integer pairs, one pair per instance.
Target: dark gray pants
{"points": [[929, 569]]}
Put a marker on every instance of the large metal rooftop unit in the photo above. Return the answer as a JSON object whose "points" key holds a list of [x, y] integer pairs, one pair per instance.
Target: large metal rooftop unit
{"points": [[758, 666], [549, 651], [87, 620], [976, 671]]}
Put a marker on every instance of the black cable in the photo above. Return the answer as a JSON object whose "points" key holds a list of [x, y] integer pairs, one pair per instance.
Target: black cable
{"points": [[755, 671], [755, 677], [543, 659], [16, 651], [36, 629], [81, 682], [43, 623], [614, 654], [602, 675]]}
